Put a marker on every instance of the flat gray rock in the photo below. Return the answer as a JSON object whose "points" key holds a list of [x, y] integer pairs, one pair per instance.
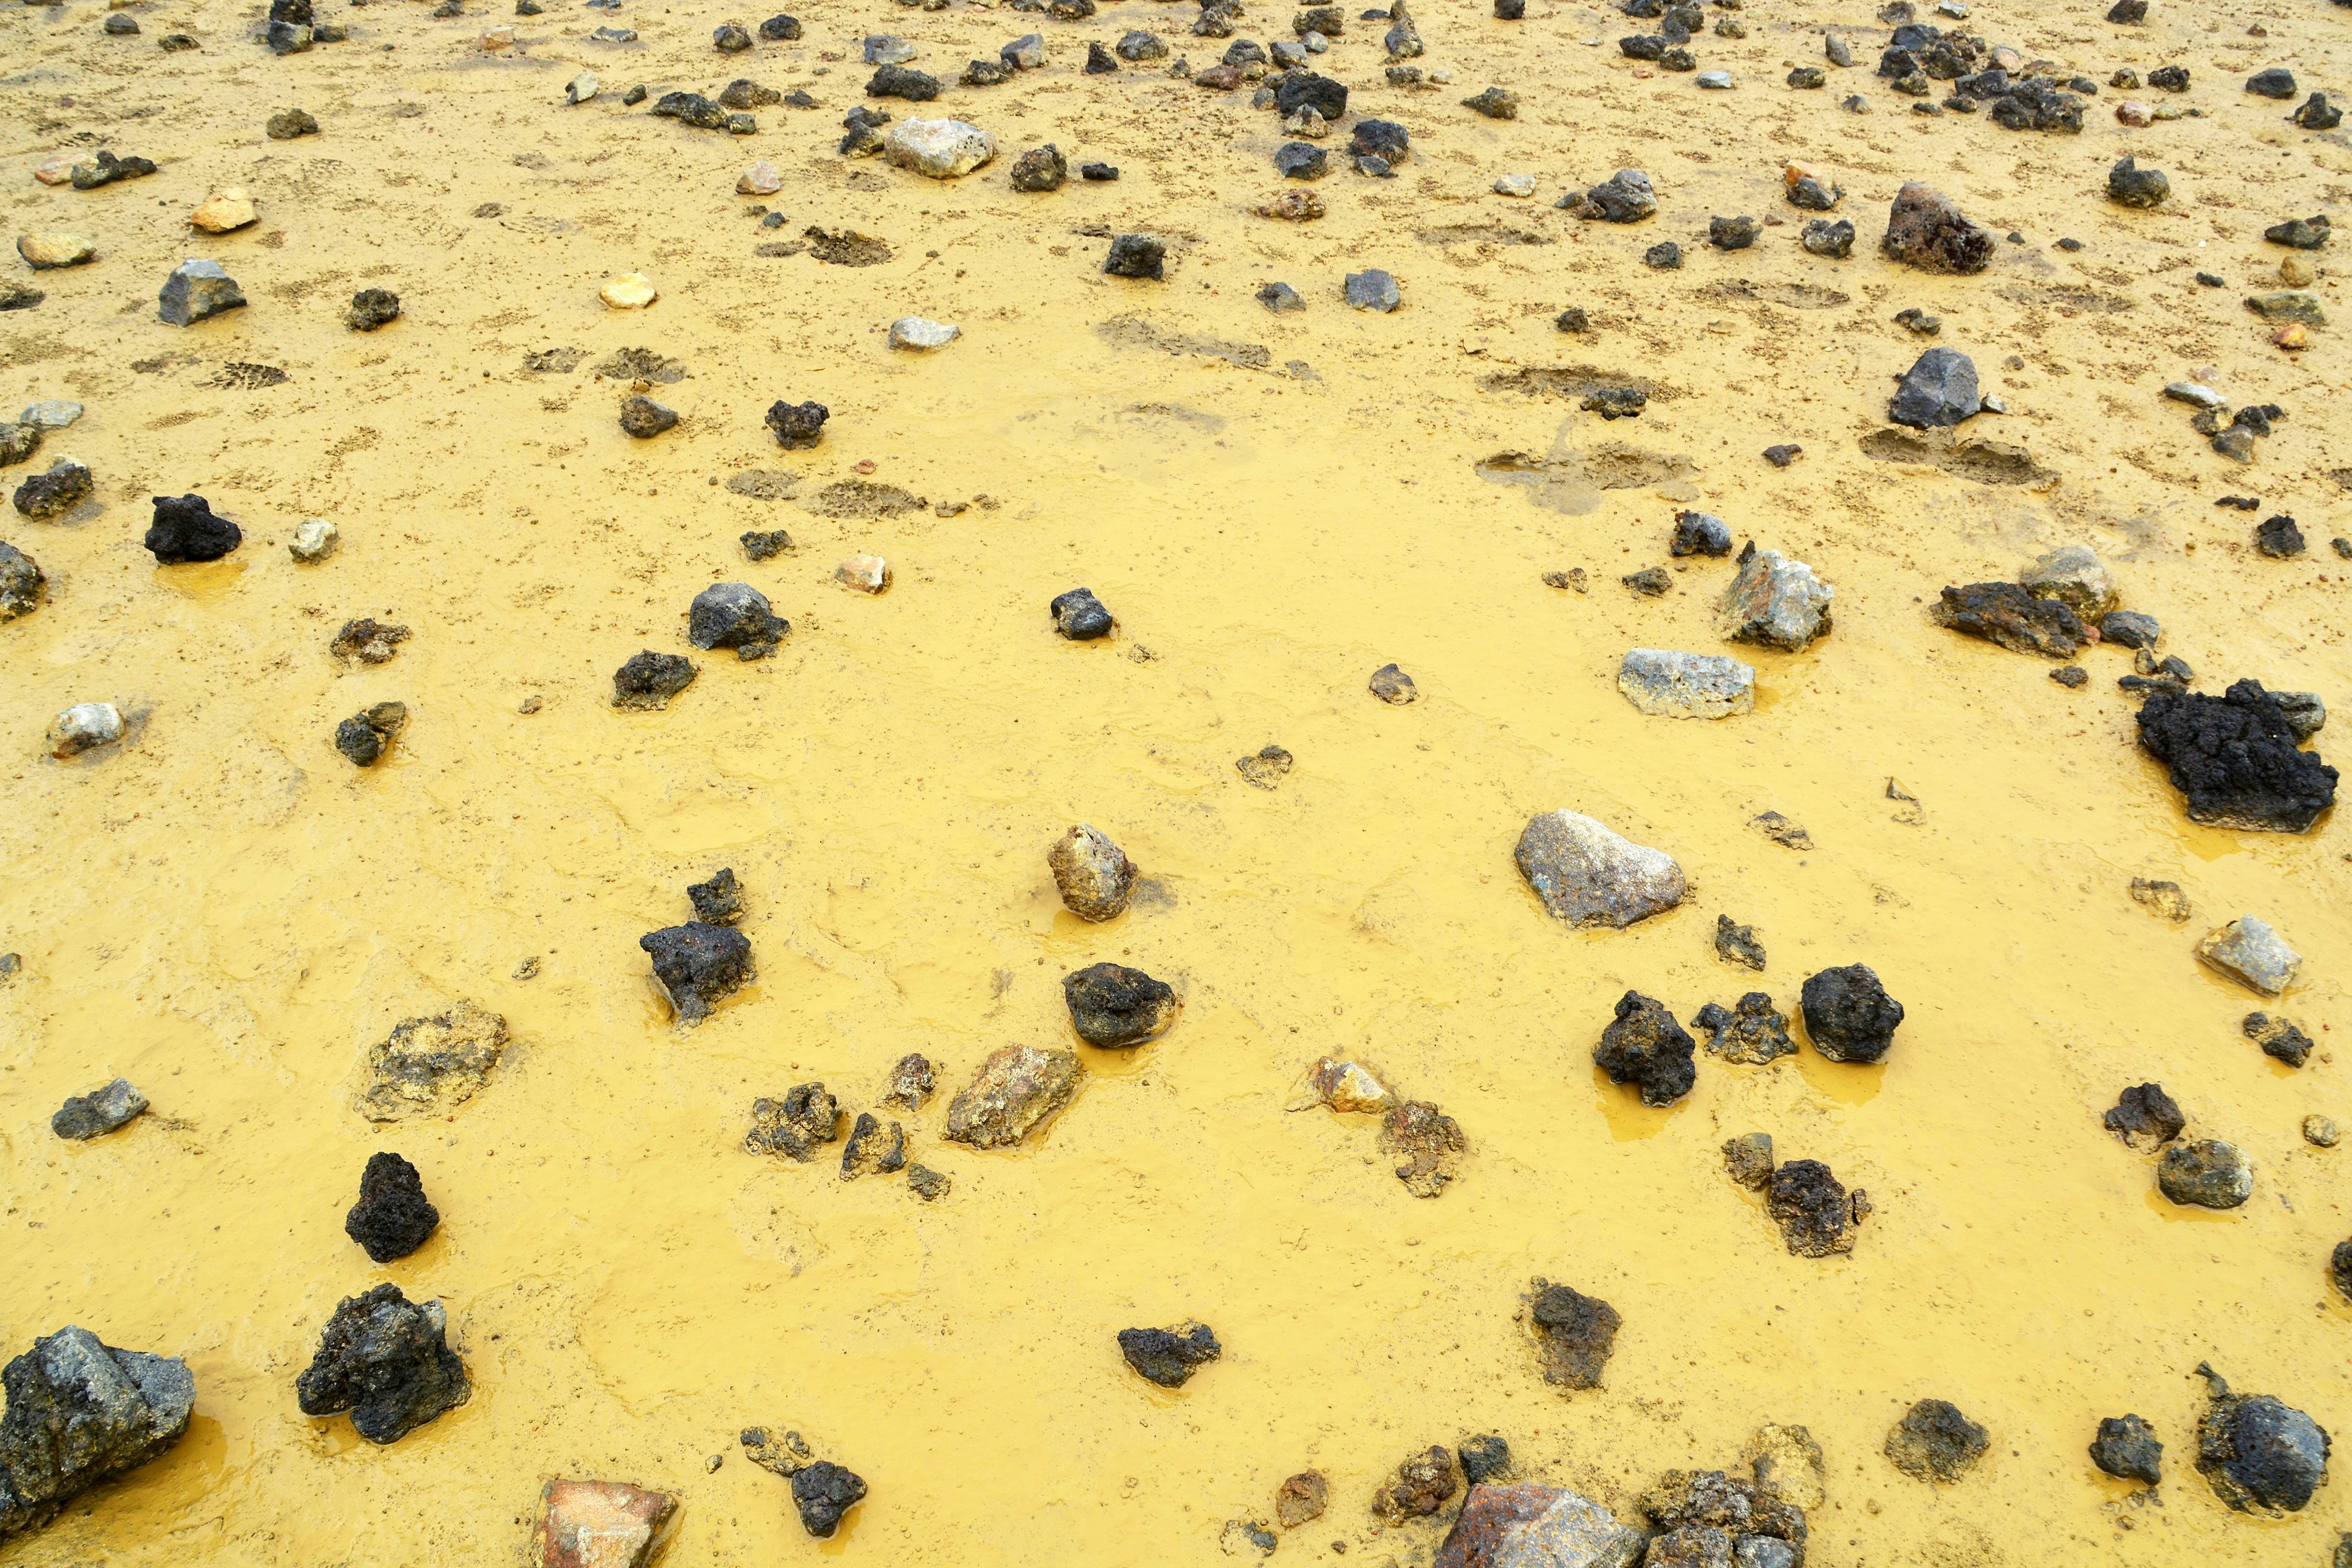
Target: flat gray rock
{"points": [[2250, 952], [1589, 876], [197, 290], [1686, 685]]}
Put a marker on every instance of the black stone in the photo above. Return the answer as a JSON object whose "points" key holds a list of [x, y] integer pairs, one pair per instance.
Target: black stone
{"points": [[780, 28], [185, 529], [391, 1218], [2318, 114], [1849, 1015], [363, 737], [644, 418], [649, 680], [2127, 1449], [1381, 139], [1136, 255], [698, 964], [1488, 1459], [385, 1360], [2276, 82], [1733, 233], [1833, 239], [1935, 1442], [1100, 61], [1645, 1046], [2129, 185], [2128, 13], [2279, 1039], [1079, 615], [1664, 256], [765, 544], [1301, 160], [2259, 1454], [1782, 455], [1578, 1333], [2145, 1117], [1098, 171], [1813, 1208], [2005, 614], [1111, 1005], [2276, 537], [65, 486], [1699, 534], [1939, 389], [1167, 1358], [2171, 78], [797, 424], [1616, 402], [2235, 761], [822, 1492], [373, 308], [901, 81], [718, 902], [692, 109], [1305, 89]]}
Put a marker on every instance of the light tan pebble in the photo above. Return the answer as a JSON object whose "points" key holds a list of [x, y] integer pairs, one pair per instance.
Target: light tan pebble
{"points": [[761, 179], [498, 37], [56, 171], [866, 573], [223, 211], [2297, 273], [50, 249], [629, 292]]}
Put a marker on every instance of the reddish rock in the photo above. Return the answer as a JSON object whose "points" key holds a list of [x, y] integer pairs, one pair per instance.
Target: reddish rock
{"points": [[598, 1524], [1532, 1526]]}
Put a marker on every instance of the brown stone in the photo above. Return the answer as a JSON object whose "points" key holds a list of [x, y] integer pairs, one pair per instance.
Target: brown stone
{"points": [[1301, 1498], [598, 1524], [1016, 1090], [1422, 1484]]}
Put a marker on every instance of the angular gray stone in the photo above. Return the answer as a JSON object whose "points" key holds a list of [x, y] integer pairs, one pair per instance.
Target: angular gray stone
{"points": [[197, 290], [99, 1112], [1776, 602], [1587, 875], [1372, 290], [2208, 1173], [80, 1412], [1939, 389], [2250, 952], [1662, 682], [2075, 577]]}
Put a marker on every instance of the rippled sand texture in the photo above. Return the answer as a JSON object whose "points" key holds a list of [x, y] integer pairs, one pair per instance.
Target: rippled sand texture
{"points": [[225, 912]]}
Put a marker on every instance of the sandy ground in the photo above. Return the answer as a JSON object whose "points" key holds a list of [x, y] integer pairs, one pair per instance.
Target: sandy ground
{"points": [[223, 910]]}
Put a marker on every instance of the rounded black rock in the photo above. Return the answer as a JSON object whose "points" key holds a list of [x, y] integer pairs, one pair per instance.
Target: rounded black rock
{"points": [[1136, 255], [1644, 1045], [823, 1492], [649, 680], [391, 1218], [1849, 1013], [373, 308], [1113, 1005], [797, 424], [1079, 615], [185, 529], [2126, 1448]]}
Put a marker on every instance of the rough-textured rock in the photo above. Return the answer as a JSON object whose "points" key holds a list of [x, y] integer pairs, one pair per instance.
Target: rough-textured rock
{"points": [[719, 900], [699, 965], [1304, 90], [1776, 602], [1094, 875], [1301, 1498], [1575, 1333], [82, 1412], [1939, 389], [1393, 686], [1741, 1509], [1925, 229], [1934, 1442], [2278, 1038], [912, 1081], [1111, 1005], [1301, 160], [1344, 1086], [1484, 1458], [1266, 767], [797, 424], [940, 149], [2144, 1117], [2207, 1173], [45, 249], [364, 737], [1529, 1525], [197, 289], [2259, 1454], [1699, 534], [393, 1217], [1421, 1486], [1425, 1144], [822, 1492], [429, 1066], [1040, 169], [2126, 1448], [1751, 1032], [736, 615], [367, 640], [1015, 1091], [1169, 1357], [65, 486], [1644, 1045], [185, 529], [1587, 875], [1371, 291], [2249, 952], [1786, 1459], [93, 1115], [371, 308], [1748, 1160], [1816, 1215], [927, 1183], [644, 418], [1736, 943], [2005, 614], [1828, 237], [598, 1524], [2129, 185], [1626, 196], [796, 1126], [2234, 759], [2304, 712], [1662, 682], [1849, 1015], [225, 212], [1136, 255], [21, 582], [1732, 233], [648, 681], [84, 727], [383, 1359], [873, 1147]]}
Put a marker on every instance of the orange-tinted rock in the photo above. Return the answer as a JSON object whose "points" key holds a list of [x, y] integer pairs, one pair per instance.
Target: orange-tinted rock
{"points": [[598, 1524]]}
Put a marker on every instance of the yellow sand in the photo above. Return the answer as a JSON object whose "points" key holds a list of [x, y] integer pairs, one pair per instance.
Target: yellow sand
{"points": [[223, 910]]}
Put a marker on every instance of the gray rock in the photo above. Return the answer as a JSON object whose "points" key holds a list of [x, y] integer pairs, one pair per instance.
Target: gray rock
{"points": [[2126, 1448], [2259, 1454], [1624, 197], [1528, 1525], [1587, 875], [719, 900], [2144, 1117], [2207, 1173], [1136, 255], [1837, 51], [1138, 47], [2129, 185], [644, 418], [1575, 1333], [1699, 534], [882, 50], [1751, 1032], [371, 308], [1280, 297], [1939, 389], [2305, 713], [1372, 290], [698, 966], [1393, 686], [21, 582], [1301, 160], [1026, 52], [56, 415], [2249, 952], [1825, 237], [736, 615], [2130, 629], [2075, 577], [1737, 944], [1934, 1442], [1079, 616], [99, 1112], [383, 1359], [197, 290], [80, 1412], [1776, 602], [84, 727], [1662, 682]]}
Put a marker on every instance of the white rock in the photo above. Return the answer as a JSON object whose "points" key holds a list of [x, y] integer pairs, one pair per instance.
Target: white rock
{"points": [[82, 726], [866, 573], [942, 149], [919, 332], [314, 539], [2250, 952], [761, 179], [1717, 80], [580, 87], [1686, 685], [2196, 393], [629, 292], [1589, 876], [1516, 185], [55, 170]]}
